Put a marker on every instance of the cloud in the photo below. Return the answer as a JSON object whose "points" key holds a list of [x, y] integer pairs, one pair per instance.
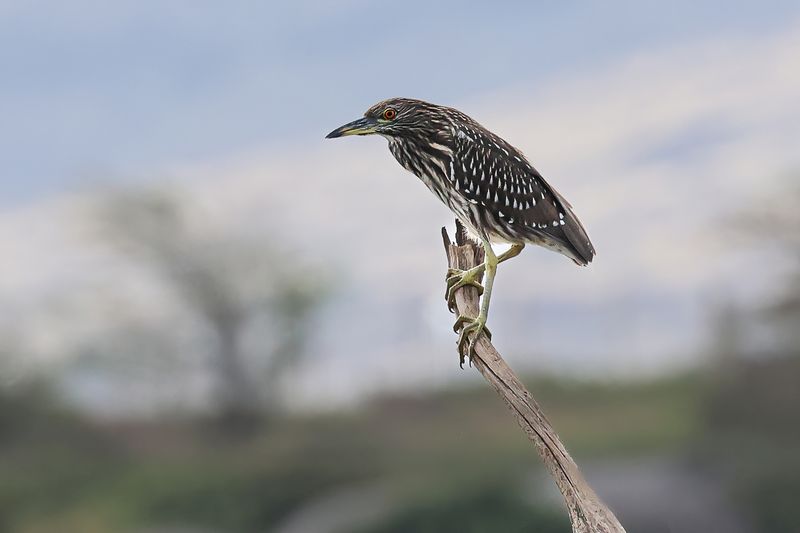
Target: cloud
{"points": [[596, 137], [652, 151]]}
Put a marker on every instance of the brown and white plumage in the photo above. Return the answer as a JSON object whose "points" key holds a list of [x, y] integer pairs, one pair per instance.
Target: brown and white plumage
{"points": [[486, 182]]}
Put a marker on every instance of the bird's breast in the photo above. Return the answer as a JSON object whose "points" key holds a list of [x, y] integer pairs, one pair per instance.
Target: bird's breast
{"points": [[432, 163]]}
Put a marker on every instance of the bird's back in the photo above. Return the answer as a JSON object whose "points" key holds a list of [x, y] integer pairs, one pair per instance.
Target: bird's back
{"points": [[492, 187]]}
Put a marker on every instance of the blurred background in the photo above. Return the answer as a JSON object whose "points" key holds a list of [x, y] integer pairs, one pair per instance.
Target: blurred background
{"points": [[212, 320]]}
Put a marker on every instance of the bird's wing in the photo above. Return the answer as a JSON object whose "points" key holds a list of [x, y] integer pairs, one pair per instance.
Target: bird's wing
{"points": [[493, 173]]}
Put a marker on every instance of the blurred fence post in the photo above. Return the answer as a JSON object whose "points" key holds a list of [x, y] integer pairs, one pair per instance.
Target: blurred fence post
{"points": [[586, 512]]}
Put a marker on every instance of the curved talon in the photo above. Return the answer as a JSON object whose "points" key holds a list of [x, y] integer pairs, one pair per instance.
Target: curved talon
{"points": [[460, 278], [471, 329], [460, 322]]}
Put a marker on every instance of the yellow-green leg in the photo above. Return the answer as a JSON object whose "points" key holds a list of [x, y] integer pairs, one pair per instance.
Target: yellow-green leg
{"points": [[471, 328], [514, 251], [460, 278]]}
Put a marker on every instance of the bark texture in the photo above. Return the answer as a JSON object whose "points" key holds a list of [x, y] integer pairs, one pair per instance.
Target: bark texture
{"points": [[586, 512]]}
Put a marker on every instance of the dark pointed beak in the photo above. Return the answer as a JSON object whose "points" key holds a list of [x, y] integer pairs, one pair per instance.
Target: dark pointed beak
{"points": [[362, 126]]}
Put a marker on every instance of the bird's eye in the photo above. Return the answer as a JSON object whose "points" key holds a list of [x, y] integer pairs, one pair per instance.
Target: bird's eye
{"points": [[389, 114]]}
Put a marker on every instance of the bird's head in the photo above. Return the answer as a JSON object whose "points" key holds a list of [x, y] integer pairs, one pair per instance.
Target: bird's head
{"points": [[396, 117]]}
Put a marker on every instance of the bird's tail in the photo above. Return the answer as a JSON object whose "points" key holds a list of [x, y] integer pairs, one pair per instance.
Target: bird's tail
{"points": [[582, 248]]}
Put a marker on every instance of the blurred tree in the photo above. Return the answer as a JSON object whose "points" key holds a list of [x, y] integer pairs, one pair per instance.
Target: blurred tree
{"points": [[753, 402], [229, 281], [775, 225], [474, 510]]}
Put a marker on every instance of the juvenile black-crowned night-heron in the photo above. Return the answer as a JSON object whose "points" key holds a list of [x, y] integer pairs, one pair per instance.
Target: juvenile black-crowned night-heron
{"points": [[489, 185]]}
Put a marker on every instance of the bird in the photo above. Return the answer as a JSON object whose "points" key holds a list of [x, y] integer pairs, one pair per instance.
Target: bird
{"points": [[488, 184]]}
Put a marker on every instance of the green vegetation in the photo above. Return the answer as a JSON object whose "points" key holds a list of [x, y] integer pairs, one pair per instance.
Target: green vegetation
{"points": [[446, 458], [487, 509]]}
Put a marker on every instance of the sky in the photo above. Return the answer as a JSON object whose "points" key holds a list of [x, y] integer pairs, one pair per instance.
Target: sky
{"points": [[98, 90], [656, 120]]}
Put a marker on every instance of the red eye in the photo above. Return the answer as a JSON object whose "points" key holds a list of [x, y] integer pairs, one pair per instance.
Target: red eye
{"points": [[389, 114]]}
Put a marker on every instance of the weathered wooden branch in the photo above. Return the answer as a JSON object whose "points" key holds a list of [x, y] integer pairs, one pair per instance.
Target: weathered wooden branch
{"points": [[586, 512]]}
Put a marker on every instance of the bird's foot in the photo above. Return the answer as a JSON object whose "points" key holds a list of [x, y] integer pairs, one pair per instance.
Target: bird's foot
{"points": [[461, 278], [470, 331]]}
